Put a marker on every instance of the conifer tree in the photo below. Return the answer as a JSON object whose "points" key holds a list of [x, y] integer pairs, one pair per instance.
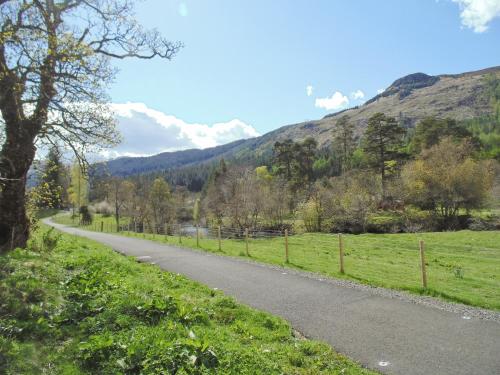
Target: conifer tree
{"points": [[382, 143]]}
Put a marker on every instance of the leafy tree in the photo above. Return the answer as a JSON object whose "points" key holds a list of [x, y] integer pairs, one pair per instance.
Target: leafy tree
{"points": [[431, 131], [54, 71], [322, 167], [344, 142], [382, 143], [264, 175], [78, 188], [446, 178]]}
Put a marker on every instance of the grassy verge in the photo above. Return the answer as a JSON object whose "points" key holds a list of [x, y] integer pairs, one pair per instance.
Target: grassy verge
{"points": [[73, 306], [462, 266]]}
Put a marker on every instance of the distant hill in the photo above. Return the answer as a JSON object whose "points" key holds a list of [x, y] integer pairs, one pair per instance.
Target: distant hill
{"points": [[409, 99], [126, 166]]}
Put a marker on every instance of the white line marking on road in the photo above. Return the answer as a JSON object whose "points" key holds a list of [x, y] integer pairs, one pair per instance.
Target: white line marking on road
{"points": [[384, 363], [466, 317], [144, 257]]}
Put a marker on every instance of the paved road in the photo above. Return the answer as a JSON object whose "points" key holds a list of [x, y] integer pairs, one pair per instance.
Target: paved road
{"points": [[412, 338]]}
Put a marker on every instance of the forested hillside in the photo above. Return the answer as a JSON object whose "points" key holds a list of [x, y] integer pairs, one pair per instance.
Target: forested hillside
{"points": [[466, 98]]}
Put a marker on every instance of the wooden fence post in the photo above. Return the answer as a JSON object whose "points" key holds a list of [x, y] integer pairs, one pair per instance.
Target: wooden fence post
{"points": [[422, 263], [246, 241], [218, 236], [180, 234], [286, 246], [166, 231], [341, 253], [197, 235]]}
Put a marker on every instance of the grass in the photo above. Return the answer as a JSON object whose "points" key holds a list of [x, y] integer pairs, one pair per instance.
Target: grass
{"points": [[461, 266], [69, 305]]}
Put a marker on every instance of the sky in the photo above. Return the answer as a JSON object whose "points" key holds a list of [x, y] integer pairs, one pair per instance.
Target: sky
{"points": [[248, 67]]}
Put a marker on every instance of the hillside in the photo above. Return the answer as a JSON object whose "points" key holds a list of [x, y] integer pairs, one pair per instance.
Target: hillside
{"points": [[410, 99], [168, 160]]}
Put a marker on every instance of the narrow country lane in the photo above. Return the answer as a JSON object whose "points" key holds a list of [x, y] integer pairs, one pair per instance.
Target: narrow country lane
{"points": [[386, 334]]}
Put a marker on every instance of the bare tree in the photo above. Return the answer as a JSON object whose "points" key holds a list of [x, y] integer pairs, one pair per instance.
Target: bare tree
{"points": [[160, 202], [121, 193], [54, 71]]}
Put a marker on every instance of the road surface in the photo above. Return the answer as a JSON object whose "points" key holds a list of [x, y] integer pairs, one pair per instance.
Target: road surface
{"points": [[391, 335]]}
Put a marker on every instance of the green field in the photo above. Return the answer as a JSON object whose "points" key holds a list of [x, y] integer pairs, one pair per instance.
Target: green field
{"points": [[462, 266], [74, 306]]}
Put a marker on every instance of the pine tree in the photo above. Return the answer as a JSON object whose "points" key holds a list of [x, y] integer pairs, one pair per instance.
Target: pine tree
{"points": [[344, 142], [50, 189], [382, 143], [283, 158]]}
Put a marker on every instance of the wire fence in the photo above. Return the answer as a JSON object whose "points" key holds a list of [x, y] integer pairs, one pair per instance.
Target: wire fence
{"points": [[403, 261]]}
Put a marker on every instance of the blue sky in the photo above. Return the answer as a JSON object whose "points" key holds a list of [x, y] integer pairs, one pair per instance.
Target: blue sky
{"points": [[246, 65]]}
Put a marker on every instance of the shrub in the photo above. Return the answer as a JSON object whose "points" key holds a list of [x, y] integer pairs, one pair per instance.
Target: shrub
{"points": [[478, 223], [86, 216], [103, 208], [50, 239], [385, 223]]}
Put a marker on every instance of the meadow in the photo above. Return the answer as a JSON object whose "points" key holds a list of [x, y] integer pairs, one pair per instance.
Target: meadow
{"points": [[461, 266]]}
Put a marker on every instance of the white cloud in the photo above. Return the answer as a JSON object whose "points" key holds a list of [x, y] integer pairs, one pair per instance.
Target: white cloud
{"points": [[380, 91], [357, 95], [476, 14], [147, 132], [309, 90], [336, 101]]}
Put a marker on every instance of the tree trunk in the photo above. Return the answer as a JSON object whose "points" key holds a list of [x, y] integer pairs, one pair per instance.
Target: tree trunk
{"points": [[16, 157], [117, 217]]}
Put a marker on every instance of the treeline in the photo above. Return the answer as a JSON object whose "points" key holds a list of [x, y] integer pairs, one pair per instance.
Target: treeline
{"points": [[389, 180]]}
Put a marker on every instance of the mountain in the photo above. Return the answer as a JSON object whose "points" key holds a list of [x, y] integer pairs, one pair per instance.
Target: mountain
{"points": [[410, 99], [126, 166]]}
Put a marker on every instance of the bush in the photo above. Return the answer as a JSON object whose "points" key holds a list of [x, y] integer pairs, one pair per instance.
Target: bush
{"points": [[478, 223], [50, 240], [385, 222], [103, 208], [86, 216], [310, 212]]}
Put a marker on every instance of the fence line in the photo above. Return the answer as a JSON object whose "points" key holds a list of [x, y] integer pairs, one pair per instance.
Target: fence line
{"points": [[285, 244]]}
